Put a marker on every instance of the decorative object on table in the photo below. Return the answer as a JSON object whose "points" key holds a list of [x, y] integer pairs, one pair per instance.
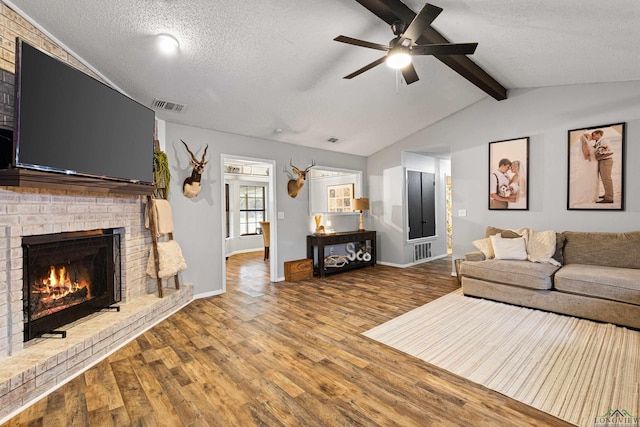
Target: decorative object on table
{"points": [[596, 168], [361, 205], [340, 198], [336, 261], [161, 172], [191, 185], [359, 252], [319, 226], [509, 174], [295, 184]]}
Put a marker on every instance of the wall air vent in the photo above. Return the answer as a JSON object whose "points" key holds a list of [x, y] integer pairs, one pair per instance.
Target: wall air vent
{"points": [[163, 104], [421, 251]]}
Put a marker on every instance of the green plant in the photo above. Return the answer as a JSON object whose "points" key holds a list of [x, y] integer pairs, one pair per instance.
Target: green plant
{"points": [[161, 174]]}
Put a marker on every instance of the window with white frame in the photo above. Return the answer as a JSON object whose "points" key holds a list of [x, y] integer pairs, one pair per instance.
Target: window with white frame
{"points": [[252, 208]]}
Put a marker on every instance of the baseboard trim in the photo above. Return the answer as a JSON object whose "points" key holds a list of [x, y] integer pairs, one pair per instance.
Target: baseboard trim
{"points": [[208, 294], [411, 264]]}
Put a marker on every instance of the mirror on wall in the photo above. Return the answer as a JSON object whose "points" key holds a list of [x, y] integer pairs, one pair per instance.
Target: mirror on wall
{"points": [[332, 190]]}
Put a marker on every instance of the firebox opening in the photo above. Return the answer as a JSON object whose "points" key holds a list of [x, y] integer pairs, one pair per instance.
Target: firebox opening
{"points": [[68, 276]]}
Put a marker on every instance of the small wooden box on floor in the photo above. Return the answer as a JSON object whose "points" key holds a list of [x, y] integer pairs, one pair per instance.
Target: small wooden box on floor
{"points": [[298, 270]]}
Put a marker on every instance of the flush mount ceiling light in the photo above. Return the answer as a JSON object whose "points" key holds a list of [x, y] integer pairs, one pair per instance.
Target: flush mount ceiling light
{"points": [[398, 57], [167, 44]]}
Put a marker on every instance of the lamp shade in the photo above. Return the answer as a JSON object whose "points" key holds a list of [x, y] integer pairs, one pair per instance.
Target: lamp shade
{"points": [[361, 204]]}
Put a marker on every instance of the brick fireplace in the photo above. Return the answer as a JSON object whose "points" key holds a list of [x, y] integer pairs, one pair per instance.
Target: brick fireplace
{"points": [[29, 369]]}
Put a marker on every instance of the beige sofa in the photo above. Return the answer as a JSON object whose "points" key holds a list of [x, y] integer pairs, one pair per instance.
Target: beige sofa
{"points": [[598, 279]]}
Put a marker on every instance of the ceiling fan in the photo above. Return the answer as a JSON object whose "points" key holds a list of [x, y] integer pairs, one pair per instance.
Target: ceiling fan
{"points": [[403, 46]]}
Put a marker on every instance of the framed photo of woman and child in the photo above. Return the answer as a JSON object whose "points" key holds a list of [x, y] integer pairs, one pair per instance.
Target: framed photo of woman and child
{"points": [[596, 168], [509, 174]]}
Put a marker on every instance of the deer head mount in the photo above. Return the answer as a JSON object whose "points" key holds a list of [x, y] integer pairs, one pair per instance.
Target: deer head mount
{"points": [[191, 185], [295, 184]]}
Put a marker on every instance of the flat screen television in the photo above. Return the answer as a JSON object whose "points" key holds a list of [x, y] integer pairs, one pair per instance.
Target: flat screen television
{"points": [[68, 122]]}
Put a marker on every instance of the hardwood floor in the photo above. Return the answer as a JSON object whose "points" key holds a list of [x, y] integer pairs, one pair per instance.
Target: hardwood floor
{"points": [[282, 354]]}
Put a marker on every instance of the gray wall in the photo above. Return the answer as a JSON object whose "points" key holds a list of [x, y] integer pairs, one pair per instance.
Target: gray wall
{"points": [[198, 220], [545, 115]]}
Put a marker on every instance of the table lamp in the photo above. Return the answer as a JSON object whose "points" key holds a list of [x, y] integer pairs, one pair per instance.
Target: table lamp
{"points": [[361, 205]]}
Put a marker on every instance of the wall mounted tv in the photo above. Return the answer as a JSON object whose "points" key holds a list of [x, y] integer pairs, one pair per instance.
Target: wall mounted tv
{"points": [[69, 122]]}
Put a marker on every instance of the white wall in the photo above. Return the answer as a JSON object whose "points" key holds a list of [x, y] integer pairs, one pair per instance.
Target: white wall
{"points": [[198, 221], [545, 115]]}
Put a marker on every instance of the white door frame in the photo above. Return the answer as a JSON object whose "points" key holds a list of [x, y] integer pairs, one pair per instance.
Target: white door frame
{"points": [[271, 216]]}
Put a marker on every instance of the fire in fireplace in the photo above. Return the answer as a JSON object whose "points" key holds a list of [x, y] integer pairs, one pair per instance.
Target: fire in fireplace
{"points": [[58, 290], [68, 276]]}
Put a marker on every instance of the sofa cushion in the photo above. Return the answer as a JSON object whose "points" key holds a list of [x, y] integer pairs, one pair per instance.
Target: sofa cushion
{"points": [[519, 273], [605, 249], [617, 284]]}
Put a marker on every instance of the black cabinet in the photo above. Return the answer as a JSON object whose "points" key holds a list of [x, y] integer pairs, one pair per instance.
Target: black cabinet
{"points": [[421, 204], [353, 249]]}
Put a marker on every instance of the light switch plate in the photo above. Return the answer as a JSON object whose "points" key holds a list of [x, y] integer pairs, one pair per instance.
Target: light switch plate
{"points": [[280, 215]]}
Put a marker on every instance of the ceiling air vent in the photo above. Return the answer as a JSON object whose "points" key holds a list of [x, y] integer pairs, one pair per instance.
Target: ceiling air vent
{"points": [[163, 104]]}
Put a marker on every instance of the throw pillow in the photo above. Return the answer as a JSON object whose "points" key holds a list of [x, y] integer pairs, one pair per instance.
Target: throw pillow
{"points": [[510, 234], [541, 246], [490, 231], [484, 246], [558, 255], [515, 248]]}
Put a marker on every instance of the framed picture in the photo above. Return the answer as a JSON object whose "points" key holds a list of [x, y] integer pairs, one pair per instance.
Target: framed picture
{"points": [[596, 168], [509, 174], [340, 198]]}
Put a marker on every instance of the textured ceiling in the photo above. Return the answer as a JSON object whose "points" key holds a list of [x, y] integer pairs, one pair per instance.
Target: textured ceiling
{"points": [[250, 67]]}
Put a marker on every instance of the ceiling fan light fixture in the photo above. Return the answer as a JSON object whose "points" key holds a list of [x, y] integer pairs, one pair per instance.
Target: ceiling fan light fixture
{"points": [[398, 58], [167, 44]]}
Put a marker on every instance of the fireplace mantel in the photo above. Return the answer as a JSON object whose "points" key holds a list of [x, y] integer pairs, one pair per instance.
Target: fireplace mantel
{"points": [[60, 181]]}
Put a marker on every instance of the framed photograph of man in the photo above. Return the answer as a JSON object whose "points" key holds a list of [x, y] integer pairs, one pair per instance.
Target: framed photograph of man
{"points": [[596, 168], [509, 174]]}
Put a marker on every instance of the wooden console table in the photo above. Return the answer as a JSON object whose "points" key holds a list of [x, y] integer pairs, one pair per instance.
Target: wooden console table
{"points": [[320, 241]]}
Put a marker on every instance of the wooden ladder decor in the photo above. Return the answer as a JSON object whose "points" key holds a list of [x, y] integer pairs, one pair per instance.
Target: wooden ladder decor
{"points": [[153, 227]]}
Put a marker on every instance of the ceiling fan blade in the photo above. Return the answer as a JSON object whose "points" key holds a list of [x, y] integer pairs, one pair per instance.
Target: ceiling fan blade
{"points": [[409, 74], [356, 42], [366, 68], [422, 20], [445, 49], [389, 10]]}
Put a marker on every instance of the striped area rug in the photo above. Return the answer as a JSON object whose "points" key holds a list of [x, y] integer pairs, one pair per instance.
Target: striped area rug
{"points": [[575, 369]]}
